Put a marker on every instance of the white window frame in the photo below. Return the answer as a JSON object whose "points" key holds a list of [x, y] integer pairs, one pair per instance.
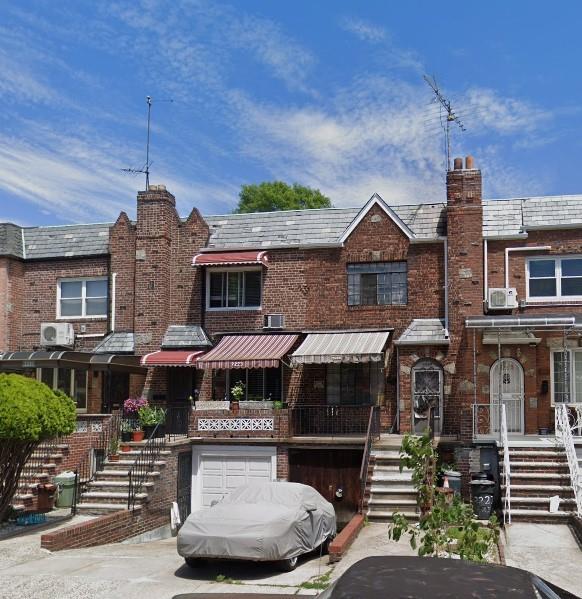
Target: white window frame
{"points": [[82, 410], [84, 281], [233, 308], [572, 385], [558, 270]]}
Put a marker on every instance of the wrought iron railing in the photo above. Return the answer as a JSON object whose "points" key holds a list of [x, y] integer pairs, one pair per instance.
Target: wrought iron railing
{"points": [[566, 421], [94, 458], [372, 434], [487, 418], [506, 467], [329, 420], [144, 464], [177, 421]]}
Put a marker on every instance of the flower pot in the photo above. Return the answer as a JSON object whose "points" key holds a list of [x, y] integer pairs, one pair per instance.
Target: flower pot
{"points": [[126, 436], [234, 406], [148, 430], [113, 457], [125, 448], [137, 436]]}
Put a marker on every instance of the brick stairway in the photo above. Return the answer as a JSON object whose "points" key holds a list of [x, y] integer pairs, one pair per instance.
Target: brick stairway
{"points": [[388, 490], [538, 473], [44, 463], [109, 490]]}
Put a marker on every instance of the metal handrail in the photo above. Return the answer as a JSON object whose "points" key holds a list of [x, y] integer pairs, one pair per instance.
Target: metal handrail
{"points": [[506, 467], [94, 458], [372, 433], [329, 419], [565, 438], [142, 466]]}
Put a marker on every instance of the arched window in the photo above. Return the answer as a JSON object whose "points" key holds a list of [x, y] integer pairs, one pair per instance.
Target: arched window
{"points": [[427, 392]]}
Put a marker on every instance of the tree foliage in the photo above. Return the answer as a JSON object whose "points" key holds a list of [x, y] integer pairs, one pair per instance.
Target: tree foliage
{"points": [[271, 196], [30, 412]]}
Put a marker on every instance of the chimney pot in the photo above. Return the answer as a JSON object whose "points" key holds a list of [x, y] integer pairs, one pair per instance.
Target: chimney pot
{"points": [[458, 164], [469, 163]]}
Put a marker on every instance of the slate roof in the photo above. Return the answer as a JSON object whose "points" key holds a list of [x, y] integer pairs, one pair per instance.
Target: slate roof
{"points": [[185, 336], [116, 343], [501, 218], [424, 331]]}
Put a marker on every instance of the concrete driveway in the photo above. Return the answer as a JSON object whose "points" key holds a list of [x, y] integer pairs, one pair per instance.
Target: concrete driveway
{"points": [[154, 570]]}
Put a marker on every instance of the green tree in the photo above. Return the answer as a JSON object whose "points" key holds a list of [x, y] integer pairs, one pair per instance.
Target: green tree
{"points": [[30, 412], [271, 196]]}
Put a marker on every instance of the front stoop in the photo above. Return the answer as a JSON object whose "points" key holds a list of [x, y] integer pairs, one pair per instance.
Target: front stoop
{"points": [[109, 491], [388, 490], [536, 475]]}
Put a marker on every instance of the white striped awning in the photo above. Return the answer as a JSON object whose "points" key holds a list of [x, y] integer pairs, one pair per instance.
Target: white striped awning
{"points": [[334, 348], [248, 351]]}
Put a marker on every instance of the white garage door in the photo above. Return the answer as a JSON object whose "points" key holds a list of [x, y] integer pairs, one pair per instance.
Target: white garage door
{"points": [[220, 474]]}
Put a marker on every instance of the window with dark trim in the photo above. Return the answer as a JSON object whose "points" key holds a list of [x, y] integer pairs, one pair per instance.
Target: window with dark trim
{"points": [[234, 289], [377, 283], [354, 384]]}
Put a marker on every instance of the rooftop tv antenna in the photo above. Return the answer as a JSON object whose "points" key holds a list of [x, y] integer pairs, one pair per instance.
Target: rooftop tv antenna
{"points": [[447, 116], [146, 169]]}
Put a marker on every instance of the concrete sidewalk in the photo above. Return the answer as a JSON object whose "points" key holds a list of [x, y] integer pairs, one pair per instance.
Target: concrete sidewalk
{"points": [[548, 550]]}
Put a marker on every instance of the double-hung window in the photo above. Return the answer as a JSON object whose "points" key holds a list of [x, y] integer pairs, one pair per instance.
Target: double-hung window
{"points": [[554, 279], [234, 289], [566, 370], [377, 283], [82, 298]]}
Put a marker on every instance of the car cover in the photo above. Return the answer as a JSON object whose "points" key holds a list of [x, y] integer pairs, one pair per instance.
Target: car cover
{"points": [[262, 522]]}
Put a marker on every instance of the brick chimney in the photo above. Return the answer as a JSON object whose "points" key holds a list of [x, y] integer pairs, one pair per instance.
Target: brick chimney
{"points": [[465, 273]]}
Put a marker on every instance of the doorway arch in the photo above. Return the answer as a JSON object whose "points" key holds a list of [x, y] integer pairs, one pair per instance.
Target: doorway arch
{"points": [[506, 387]]}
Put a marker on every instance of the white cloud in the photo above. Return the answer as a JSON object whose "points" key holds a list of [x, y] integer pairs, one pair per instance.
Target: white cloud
{"points": [[363, 30]]}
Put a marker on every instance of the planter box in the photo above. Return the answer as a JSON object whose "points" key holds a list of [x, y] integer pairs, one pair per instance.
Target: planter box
{"points": [[212, 405], [256, 405]]}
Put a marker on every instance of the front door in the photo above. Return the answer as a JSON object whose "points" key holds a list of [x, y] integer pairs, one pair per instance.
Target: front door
{"points": [[506, 388]]}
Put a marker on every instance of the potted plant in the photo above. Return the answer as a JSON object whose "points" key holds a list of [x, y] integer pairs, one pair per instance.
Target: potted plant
{"points": [[137, 435], [125, 447], [237, 392], [151, 417], [113, 453], [126, 430], [131, 407]]}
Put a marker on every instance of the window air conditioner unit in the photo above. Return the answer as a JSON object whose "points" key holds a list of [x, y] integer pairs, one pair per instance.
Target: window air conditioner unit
{"points": [[274, 321], [502, 298], [57, 333]]}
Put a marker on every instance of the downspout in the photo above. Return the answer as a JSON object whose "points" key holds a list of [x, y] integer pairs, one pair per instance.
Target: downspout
{"points": [[527, 248], [113, 277]]}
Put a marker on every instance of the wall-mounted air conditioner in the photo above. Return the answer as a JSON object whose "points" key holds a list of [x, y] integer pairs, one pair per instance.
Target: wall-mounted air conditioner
{"points": [[274, 321], [502, 298], [57, 333]]}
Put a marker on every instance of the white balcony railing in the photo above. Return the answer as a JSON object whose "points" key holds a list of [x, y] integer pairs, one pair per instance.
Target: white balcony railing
{"points": [[569, 421]]}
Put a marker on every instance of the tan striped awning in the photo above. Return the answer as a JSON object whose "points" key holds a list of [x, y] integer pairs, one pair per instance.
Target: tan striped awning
{"points": [[248, 351], [334, 348]]}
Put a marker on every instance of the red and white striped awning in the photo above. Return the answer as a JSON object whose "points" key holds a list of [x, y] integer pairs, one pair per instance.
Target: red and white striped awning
{"points": [[248, 351], [172, 358], [230, 258]]}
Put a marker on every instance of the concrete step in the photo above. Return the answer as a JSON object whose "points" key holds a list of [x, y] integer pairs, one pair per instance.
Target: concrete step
{"points": [[386, 454], [394, 503], [101, 508], [389, 477], [388, 468], [110, 496], [540, 503], [386, 515], [541, 516], [540, 478], [392, 491], [115, 484], [535, 466], [127, 464], [540, 490], [387, 441], [544, 453], [116, 474]]}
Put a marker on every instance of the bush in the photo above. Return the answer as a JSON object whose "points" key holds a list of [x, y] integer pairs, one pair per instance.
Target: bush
{"points": [[30, 412]]}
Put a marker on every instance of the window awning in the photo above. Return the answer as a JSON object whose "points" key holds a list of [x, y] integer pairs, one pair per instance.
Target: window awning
{"points": [[248, 351], [230, 258], [172, 357], [334, 348], [70, 359]]}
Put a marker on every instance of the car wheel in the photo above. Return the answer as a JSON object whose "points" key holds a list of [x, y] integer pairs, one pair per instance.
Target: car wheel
{"points": [[193, 562], [288, 565]]}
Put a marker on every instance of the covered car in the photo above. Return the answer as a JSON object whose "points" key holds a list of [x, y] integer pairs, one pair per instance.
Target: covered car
{"points": [[275, 521]]}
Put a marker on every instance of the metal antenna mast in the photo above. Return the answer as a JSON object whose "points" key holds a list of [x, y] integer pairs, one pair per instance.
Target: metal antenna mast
{"points": [[146, 169], [449, 117]]}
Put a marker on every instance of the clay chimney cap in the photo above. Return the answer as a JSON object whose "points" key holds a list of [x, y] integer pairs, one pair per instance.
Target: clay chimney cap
{"points": [[157, 188], [469, 163], [458, 164]]}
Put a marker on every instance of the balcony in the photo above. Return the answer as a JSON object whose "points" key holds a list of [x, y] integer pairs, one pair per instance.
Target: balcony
{"points": [[328, 420]]}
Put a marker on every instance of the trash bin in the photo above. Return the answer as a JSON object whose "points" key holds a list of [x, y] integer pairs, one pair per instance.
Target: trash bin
{"points": [[46, 497], [66, 484], [454, 479], [482, 493]]}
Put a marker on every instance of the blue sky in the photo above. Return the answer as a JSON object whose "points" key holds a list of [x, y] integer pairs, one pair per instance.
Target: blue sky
{"points": [[328, 94]]}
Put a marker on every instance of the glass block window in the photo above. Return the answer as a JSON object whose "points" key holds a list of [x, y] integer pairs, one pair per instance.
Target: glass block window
{"points": [[378, 283]]}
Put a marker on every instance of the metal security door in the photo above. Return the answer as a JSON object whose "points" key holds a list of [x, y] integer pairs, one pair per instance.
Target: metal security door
{"points": [[506, 386], [184, 490]]}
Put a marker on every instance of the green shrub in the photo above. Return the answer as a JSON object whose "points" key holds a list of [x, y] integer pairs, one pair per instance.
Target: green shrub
{"points": [[30, 411]]}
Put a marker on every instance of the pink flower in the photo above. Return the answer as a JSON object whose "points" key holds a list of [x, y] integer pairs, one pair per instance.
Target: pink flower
{"points": [[133, 404]]}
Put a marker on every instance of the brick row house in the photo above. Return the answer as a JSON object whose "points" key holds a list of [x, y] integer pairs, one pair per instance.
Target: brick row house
{"points": [[467, 304]]}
